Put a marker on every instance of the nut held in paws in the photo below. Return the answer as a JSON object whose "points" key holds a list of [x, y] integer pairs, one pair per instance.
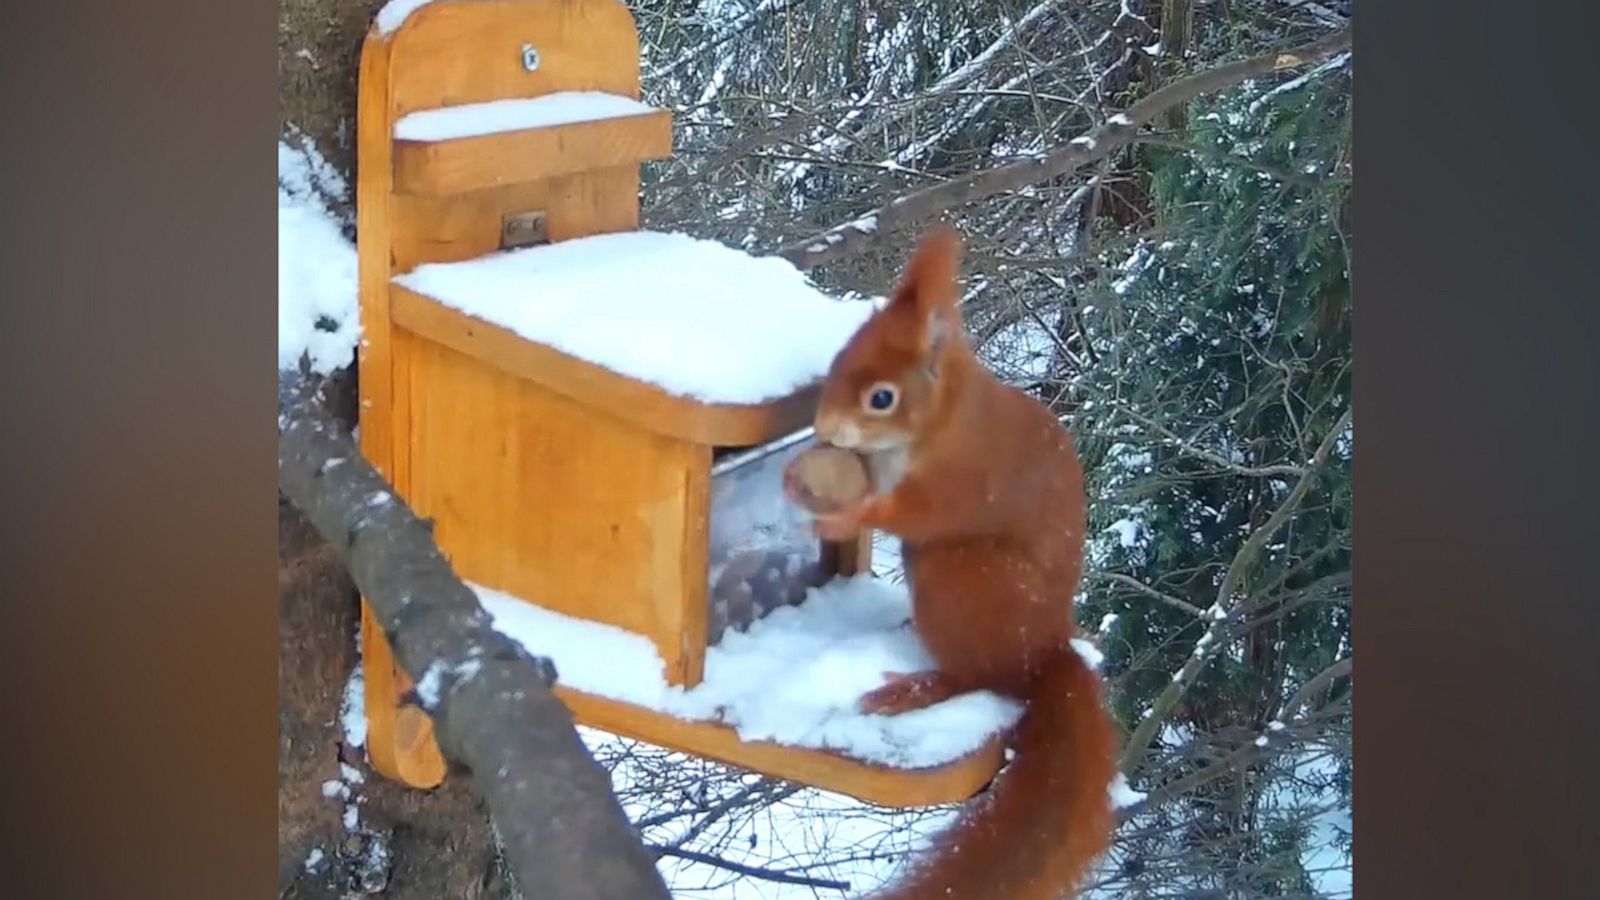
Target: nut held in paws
{"points": [[824, 479]]}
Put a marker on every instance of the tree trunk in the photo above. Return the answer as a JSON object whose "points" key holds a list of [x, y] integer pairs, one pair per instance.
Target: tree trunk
{"points": [[319, 56], [1177, 31]]}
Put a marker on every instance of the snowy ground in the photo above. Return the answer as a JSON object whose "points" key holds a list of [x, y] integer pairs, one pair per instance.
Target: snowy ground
{"points": [[317, 307]]}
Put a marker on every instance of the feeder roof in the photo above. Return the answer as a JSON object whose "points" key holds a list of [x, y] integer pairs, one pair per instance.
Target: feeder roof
{"points": [[690, 316]]}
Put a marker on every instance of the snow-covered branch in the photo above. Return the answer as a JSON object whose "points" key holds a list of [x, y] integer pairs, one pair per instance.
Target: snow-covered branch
{"points": [[491, 703], [719, 37], [1226, 607], [1281, 733], [859, 122], [1095, 144]]}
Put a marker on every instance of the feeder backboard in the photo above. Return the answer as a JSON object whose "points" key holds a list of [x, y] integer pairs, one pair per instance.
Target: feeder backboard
{"points": [[486, 126]]}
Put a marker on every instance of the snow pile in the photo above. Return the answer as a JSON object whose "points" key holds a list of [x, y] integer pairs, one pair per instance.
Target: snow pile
{"points": [[1090, 654], [395, 12], [353, 708], [495, 116], [793, 678], [1021, 353], [1122, 795], [317, 306], [590, 656], [691, 316]]}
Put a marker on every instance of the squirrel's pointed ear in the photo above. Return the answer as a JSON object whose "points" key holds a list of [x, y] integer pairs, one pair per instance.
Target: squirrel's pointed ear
{"points": [[929, 283]]}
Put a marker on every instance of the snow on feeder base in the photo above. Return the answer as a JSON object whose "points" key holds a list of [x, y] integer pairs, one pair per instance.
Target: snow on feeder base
{"points": [[597, 417]]}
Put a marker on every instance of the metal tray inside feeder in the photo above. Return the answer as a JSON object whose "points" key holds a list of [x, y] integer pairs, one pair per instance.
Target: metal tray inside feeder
{"points": [[763, 554]]}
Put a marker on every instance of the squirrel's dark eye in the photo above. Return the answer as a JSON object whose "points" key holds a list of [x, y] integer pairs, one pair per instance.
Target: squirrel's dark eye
{"points": [[881, 399]]}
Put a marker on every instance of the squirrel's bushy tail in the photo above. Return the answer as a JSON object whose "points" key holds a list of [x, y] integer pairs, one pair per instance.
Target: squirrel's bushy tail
{"points": [[1049, 815]]}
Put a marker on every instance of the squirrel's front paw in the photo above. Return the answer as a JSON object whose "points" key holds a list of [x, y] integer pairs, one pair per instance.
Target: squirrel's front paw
{"points": [[905, 693], [836, 528], [845, 524]]}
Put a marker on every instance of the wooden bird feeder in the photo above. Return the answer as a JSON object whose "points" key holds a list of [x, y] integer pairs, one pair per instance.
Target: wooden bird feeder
{"points": [[550, 477]]}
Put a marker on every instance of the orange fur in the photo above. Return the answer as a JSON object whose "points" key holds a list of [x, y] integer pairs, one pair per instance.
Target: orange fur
{"points": [[983, 486]]}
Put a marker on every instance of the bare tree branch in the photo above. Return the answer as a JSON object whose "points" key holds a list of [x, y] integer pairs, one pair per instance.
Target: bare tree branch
{"points": [[1271, 742], [1187, 445], [1317, 682], [1225, 606], [777, 875], [1320, 11], [491, 704], [957, 78], [764, 792], [1134, 583], [1259, 537], [1118, 131]]}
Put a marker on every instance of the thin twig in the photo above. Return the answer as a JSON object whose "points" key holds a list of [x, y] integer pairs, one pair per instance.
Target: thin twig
{"points": [[777, 875], [1147, 590]]}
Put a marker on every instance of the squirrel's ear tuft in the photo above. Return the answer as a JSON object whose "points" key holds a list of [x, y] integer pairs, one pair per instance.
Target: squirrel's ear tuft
{"points": [[929, 284]]}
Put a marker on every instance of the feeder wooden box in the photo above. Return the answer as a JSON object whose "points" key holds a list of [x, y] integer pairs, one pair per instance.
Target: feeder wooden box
{"points": [[550, 477]]}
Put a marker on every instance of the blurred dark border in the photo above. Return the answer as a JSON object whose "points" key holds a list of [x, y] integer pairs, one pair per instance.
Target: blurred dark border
{"points": [[137, 449], [137, 445], [1476, 493]]}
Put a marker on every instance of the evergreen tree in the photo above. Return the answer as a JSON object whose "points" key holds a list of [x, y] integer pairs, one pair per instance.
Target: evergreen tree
{"points": [[1224, 362]]}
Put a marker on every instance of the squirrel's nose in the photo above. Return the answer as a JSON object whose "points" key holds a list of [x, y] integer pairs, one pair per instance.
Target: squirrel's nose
{"points": [[825, 427], [837, 431]]}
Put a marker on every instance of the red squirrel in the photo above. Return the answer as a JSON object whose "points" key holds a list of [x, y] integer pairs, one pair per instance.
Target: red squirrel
{"points": [[983, 486]]}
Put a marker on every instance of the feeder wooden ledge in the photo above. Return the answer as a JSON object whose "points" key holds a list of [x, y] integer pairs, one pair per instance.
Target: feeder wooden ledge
{"points": [[780, 696]]}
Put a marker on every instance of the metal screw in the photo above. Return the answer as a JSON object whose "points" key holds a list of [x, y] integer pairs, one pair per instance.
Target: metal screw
{"points": [[530, 58]]}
